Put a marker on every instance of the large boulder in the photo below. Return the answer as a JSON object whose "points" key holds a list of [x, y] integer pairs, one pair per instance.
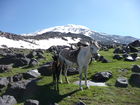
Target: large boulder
{"points": [[3, 82], [101, 76], [31, 74], [7, 100], [21, 89], [31, 102], [121, 82], [136, 68], [46, 69], [135, 79], [5, 68]]}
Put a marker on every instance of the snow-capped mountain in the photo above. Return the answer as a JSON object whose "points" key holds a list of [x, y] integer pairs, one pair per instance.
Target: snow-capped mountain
{"points": [[59, 35], [76, 29], [79, 29]]}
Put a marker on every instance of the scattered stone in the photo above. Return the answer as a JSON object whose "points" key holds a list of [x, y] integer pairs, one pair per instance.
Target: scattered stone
{"points": [[21, 89], [46, 69], [101, 76], [31, 74], [17, 77], [121, 82], [21, 62], [72, 71], [5, 68], [31, 102], [118, 57], [136, 68], [32, 54], [103, 60], [7, 100], [33, 62], [3, 82], [134, 56], [129, 58], [125, 55], [135, 79], [80, 103]]}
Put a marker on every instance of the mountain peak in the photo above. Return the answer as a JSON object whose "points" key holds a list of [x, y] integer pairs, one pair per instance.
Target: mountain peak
{"points": [[72, 28]]}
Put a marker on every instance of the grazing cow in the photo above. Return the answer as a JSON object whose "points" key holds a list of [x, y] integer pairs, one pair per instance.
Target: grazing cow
{"points": [[80, 57]]}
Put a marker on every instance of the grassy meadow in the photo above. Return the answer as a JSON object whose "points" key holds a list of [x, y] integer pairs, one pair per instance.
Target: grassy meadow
{"points": [[69, 94]]}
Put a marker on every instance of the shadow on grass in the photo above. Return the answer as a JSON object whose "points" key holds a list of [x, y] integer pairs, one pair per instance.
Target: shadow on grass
{"points": [[49, 94]]}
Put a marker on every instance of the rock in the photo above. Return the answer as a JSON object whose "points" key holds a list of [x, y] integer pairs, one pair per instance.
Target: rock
{"points": [[101, 76], [80, 103], [33, 62], [46, 69], [5, 68], [129, 58], [3, 82], [7, 100], [72, 71], [21, 62], [21, 89], [17, 77], [32, 54], [40, 56], [134, 56], [121, 82], [133, 49], [105, 60], [136, 43], [31, 74], [125, 55], [31, 102], [136, 68], [117, 50], [118, 57], [135, 79]]}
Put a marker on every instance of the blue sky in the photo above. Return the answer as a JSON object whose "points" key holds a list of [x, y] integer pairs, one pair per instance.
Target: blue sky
{"points": [[121, 17]]}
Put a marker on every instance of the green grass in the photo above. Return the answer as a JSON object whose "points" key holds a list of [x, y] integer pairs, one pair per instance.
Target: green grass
{"points": [[69, 94]]}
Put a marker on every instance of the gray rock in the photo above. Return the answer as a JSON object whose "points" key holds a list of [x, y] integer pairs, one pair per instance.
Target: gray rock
{"points": [[33, 62], [136, 68], [7, 100], [135, 79], [80, 103], [5, 68], [121, 82], [101, 76], [31, 102], [118, 57], [129, 58], [17, 77], [72, 71], [3, 82], [46, 69], [31, 74]]}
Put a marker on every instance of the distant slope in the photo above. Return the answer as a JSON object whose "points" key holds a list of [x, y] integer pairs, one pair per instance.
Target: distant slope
{"points": [[78, 29]]}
